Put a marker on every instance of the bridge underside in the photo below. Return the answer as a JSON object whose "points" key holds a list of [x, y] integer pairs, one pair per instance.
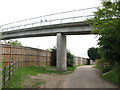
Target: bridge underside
{"points": [[59, 30], [78, 28]]}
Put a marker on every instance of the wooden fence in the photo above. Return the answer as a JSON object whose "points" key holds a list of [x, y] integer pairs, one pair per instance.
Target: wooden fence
{"points": [[27, 56], [81, 61], [7, 71]]}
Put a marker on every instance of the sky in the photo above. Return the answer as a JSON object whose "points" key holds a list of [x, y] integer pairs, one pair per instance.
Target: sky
{"points": [[14, 10]]}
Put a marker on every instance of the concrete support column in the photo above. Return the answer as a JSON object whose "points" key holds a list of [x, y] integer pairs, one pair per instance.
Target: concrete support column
{"points": [[61, 53]]}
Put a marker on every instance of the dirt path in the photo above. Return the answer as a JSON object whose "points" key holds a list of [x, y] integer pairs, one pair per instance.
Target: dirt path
{"points": [[86, 77], [44, 81], [82, 77]]}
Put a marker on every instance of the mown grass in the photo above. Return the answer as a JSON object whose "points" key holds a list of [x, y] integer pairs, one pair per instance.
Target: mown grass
{"points": [[72, 68], [19, 76], [97, 68], [113, 75]]}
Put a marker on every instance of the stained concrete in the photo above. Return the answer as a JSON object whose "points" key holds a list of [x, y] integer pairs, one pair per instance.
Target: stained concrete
{"points": [[61, 53]]}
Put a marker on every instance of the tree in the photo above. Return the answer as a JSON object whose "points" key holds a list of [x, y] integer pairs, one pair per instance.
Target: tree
{"points": [[70, 58], [93, 53], [13, 42], [106, 24], [53, 56]]}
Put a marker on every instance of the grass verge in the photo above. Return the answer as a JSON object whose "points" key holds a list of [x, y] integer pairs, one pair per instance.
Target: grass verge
{"points": [[113, 75], [17, 79]]}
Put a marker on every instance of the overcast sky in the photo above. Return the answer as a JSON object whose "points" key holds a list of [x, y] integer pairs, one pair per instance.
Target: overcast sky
{"points": [[13, 10]]}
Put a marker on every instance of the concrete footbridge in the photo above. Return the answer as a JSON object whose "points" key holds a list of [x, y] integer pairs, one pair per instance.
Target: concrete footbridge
{"points": [[58, 24]]}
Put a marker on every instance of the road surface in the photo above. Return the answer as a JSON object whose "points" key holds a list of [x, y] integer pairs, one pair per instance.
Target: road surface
{"points": [[86, 77]]}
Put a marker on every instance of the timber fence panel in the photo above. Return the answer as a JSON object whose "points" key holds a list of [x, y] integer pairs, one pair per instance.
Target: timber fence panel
{"points": [[80, 61], [26, 55]]}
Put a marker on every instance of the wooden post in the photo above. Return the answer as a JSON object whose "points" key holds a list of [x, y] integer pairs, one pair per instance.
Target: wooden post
{"points": [[11, 55], [15, 66], [18, 63], [26, 56], [9, 72], [38, 57], [46, 57], [4, 76]]}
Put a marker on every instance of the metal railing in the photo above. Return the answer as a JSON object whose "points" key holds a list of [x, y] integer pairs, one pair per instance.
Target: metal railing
{"points": [[51, 19]]}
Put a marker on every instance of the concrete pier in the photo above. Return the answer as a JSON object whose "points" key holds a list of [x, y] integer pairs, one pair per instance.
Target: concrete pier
{"points": [[61, 53]]}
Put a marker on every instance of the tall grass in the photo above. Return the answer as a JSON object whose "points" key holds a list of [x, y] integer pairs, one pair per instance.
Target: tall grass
{"points": [[111, 74]]}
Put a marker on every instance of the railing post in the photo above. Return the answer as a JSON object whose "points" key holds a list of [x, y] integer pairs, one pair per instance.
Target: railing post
{"points": [[9, 72], [60, 20], [50, 22], [4, 76], [73, 19]]}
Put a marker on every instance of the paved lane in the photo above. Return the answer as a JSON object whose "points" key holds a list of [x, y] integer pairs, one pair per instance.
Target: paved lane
{"points": [[86, 77]]}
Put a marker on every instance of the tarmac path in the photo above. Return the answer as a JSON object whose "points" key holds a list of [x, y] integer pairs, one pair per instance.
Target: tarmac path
{"points": [[86, 77]]}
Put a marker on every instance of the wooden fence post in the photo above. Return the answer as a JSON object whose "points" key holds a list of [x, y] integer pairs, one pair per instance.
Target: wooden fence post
{"points": [[11, 55], [38, 57], [18, 63], [46, 57], [4, 76], [15, 66], [9, 72], [26, 56]]}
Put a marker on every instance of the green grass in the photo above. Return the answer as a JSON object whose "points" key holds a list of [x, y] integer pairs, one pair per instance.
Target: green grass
{"points": [[97, 68], [21, 73], [72, 68], [112, 76]]}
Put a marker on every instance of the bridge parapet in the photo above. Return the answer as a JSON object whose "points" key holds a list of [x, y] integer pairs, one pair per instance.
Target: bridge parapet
{"points": [[51, 19]]}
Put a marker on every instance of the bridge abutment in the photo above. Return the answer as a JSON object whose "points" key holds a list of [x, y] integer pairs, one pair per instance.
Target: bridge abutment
{"points": [[61, 53]]}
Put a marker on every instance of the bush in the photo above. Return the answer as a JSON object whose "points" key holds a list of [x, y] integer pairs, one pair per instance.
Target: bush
{"points": [[114, 75], [53, 57], [99, 63], [70, 58], [106, 69]]}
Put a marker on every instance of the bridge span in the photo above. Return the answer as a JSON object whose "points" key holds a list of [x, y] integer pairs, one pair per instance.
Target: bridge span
{"points": [[59, 24], [76, 28]]}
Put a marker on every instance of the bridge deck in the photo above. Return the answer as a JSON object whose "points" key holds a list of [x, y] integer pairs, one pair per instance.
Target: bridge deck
{"points": [[75, 28]]}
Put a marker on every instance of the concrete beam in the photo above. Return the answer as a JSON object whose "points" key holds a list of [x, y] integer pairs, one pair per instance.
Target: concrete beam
{"points": [[61, 53], [78, 28]]}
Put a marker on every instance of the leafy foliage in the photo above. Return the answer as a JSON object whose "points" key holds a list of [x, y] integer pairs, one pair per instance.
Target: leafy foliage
{"points": [[13, 42], [106, 24], [106, 69], [93, 53], [53, 56], [70, 58]]}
